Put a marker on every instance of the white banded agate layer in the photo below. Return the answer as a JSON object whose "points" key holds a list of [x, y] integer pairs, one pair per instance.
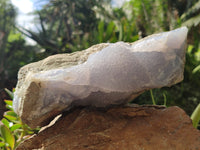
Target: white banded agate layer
{"points": [[104, 75]]}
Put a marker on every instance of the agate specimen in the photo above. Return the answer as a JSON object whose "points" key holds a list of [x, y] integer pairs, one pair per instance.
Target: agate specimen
{"points": [[104, 75]]}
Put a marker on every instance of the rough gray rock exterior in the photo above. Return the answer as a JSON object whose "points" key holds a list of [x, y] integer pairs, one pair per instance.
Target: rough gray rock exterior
{"points": [[103, 75]]}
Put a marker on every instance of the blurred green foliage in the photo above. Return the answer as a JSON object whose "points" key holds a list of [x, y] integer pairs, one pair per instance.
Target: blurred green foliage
{"points": [[14, 52], [17, 53], [12, 130], [7, 19]]}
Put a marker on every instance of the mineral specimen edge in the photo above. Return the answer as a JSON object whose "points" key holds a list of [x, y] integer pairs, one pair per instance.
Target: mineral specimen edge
{"points": [[103, 75]]}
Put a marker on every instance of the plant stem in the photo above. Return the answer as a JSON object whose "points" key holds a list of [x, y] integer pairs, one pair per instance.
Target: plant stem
{"points": [[152, 97], [196, 116], [165, 99]]}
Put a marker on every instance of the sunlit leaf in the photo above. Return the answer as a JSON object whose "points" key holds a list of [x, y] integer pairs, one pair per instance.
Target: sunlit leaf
{"points": [[30, 132], [7, 135], [11, 118], [194, 21], [196, 69], [14, 37], [2, 144], [9, 93], [194, 9], [5, 122], [9, 107], [13, 90], [15, 127], [196, 116], [1, 139], [11, 113], [190, 48], [8, 102]]}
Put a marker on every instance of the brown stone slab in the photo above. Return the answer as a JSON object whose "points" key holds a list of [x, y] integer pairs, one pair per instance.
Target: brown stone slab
{"points": [[119, 128]]}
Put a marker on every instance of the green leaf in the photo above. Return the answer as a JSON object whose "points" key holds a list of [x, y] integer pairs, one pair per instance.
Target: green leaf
{"points": [[7, 135], [190, 48], [11, 118], [1, 139], [196, 116], [152, 97], [165, 99], [194, 21], [8, 102], [9, 107], [2, 144], [15, 127], [11, 113], [134, 38], [101, 31], [109, 30], [9, 93], [5, 122], [191, 11], [14, 36], [120, 33], [196, 69]]}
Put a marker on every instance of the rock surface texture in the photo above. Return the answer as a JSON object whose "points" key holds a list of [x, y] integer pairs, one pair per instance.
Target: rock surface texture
{"points": [[101, 76], [119, 128]]}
